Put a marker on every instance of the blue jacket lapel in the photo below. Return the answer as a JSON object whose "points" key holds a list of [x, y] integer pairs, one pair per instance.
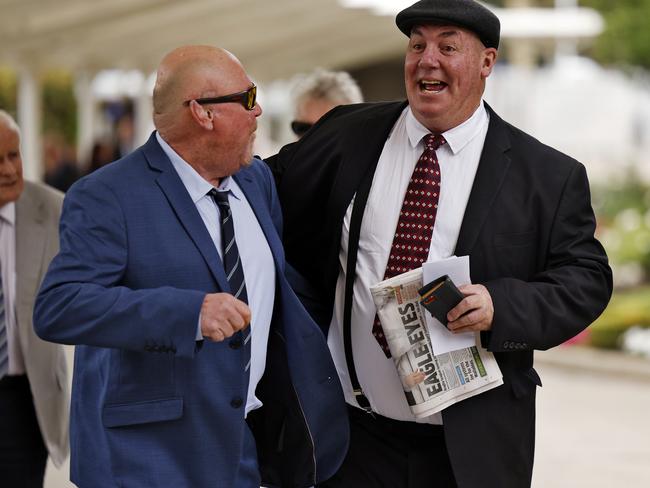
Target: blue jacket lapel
{"points": [[184, 208]]}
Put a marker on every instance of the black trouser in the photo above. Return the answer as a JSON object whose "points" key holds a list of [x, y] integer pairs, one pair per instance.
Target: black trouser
{"points": [[22, 452], [386, 453]]}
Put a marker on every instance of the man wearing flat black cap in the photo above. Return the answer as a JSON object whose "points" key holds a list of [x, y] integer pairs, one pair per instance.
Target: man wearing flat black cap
{"points": [[519, 209]]}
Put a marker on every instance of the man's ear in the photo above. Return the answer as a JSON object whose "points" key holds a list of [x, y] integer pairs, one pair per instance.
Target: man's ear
{"points": [[201, 115], [489, 60]]}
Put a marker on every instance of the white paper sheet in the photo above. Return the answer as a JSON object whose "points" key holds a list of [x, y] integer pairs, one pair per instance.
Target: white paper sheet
{"points": [[457, 268]]}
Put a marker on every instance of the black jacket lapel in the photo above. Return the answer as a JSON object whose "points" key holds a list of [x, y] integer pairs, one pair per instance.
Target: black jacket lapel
{"points": [[491, 171], [363, 147]]}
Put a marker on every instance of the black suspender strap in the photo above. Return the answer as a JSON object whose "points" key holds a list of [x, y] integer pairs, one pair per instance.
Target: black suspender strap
{"points": [[358, 208]]}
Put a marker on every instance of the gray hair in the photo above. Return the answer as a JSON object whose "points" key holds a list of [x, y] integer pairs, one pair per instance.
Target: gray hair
{"points": [[7, 120], [336, 86]]}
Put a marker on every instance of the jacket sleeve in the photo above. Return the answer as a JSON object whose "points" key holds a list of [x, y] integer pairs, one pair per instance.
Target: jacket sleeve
{"points": [[82, 299], [572, 290]]}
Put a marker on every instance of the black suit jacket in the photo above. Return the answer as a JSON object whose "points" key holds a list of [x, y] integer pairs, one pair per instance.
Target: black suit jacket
{"points": [[529, 232]]}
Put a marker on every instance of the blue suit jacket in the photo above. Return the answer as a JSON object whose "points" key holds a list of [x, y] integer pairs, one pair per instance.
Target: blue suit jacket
{"points": [[149, 407]]}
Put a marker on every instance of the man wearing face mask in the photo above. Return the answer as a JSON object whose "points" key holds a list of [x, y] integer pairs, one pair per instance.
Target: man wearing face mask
{"points": [[519, 209]]}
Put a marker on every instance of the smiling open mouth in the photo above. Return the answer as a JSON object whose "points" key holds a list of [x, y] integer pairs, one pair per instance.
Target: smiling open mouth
{"points": [[432, 86]]}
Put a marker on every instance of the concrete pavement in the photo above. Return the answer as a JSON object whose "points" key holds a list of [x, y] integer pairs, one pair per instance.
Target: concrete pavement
{"points": [[593, 420]]}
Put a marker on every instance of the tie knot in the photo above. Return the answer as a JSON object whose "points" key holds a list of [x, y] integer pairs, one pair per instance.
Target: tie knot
{"points": [[219, 197], [433, 141]]}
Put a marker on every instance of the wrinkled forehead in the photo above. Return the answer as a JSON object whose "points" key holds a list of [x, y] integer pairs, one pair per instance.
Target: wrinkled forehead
{"points": [[9, 133], [222, 77], [8, 123]]}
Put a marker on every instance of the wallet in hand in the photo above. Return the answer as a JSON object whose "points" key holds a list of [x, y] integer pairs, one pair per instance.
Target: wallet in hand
{"points": [[439, 297]]}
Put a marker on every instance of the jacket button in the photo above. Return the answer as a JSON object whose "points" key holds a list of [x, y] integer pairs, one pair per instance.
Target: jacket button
{"points": [[506, 345], [235, 344], [236, 402]]}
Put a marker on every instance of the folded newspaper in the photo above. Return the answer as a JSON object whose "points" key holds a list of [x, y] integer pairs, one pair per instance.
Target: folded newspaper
{"points": [[431, 382]]}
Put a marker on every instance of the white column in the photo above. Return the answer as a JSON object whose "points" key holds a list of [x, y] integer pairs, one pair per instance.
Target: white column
{"points": [[566, 47], [521, 52], [143, 111], [29, 120], [85, 115]]}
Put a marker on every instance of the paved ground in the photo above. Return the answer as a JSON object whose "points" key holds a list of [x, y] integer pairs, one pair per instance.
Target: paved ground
{"points": [[593, 421]]}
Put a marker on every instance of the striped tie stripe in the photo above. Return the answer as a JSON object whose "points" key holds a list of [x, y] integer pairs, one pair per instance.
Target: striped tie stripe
{"points": [[231, 261]]}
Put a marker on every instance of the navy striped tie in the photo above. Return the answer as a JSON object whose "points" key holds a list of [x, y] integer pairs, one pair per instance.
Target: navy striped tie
{"points": [[232, 263], [4, 351]]}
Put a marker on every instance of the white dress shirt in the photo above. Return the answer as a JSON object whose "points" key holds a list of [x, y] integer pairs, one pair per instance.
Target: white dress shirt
{"points": [[254, 251], [458, 160], [8, 261]]}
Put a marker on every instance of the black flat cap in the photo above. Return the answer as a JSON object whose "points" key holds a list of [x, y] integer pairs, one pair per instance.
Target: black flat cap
{"points": [[464, 13]]}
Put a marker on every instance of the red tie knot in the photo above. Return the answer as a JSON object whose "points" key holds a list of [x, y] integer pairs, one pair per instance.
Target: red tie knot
{"points": [[433, 141]]}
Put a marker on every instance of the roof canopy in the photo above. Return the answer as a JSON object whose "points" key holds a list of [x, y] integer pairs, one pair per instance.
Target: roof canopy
{"points": [[273, 38]]}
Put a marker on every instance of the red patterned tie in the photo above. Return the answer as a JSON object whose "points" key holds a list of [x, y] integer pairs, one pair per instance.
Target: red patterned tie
{"points": [[416, 219]]}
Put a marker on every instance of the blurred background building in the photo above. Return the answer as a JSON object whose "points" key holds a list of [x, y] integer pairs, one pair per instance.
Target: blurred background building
{"points": [[77, 74]]}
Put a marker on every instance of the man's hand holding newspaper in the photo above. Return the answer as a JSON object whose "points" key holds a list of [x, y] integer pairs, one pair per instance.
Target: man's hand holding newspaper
{"points": [[431, 382]]}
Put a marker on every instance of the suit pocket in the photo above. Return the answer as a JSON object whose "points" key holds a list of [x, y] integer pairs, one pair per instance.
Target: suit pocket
{"points": [[515, 239], [144, 376], [120, 415], [513, 255], [525, 382]]}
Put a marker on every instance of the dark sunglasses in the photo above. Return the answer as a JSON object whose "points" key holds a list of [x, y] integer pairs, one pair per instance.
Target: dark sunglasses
{"points": [[299, 128], [246, 98]]}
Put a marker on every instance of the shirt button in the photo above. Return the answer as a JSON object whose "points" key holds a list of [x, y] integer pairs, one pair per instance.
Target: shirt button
{"points": [[236, 402]]}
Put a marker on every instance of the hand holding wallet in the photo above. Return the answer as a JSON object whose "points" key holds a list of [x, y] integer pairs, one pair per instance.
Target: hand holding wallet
{"points": [[439, 297]]}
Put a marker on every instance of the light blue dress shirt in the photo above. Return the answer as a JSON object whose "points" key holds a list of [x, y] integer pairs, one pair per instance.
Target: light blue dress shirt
{"points": [[254, 251]]}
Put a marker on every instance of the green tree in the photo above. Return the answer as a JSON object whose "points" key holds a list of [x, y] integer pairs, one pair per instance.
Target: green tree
{"points": [[8, 91], [626, 39], [59, 105]]}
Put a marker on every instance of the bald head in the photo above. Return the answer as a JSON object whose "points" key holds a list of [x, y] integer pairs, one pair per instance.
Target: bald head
{"points": [[189, 72], [216, 137]]}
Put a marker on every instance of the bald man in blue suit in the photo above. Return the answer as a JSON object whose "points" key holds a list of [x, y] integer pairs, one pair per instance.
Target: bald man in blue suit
{"points": [[169, 387]]}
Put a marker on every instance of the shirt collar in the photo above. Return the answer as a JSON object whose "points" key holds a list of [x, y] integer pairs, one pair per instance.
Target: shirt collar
{"points": [[8, 213], [457, 138], [197, 186]]}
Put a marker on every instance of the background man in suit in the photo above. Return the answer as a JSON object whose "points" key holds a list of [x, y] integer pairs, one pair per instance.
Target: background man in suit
{"points": [[166, 257], [317, 93], [444, 171], [33, 377]]}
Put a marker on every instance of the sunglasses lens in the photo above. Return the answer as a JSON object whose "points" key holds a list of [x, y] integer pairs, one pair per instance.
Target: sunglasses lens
{"points": [[299, 128], [251, 97]]}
